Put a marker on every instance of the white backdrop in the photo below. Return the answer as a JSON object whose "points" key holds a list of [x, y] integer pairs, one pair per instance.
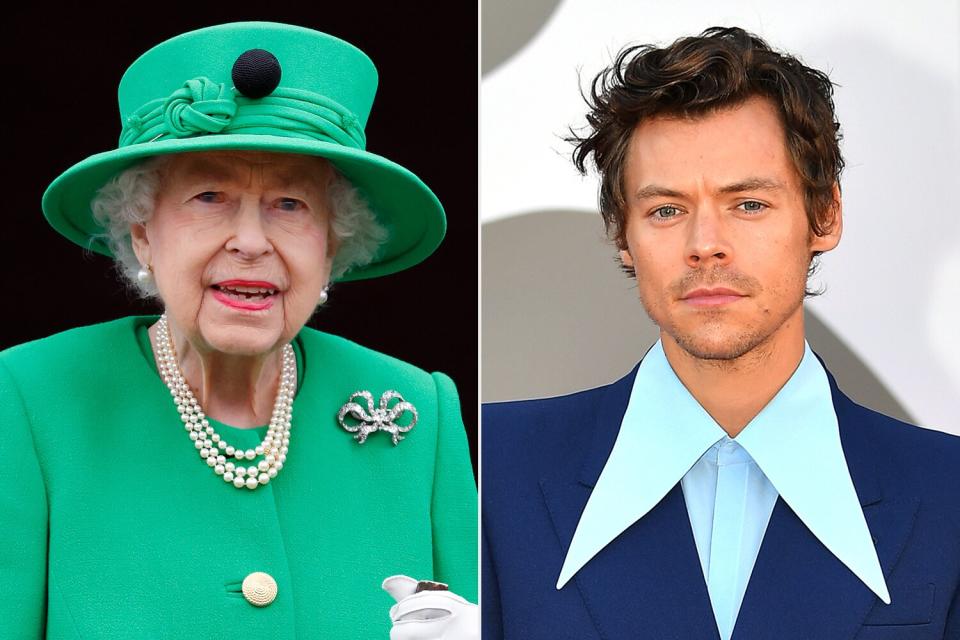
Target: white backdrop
{"points": [[893, 284]]}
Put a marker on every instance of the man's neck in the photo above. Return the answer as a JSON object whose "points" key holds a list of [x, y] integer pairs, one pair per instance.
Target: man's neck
{"points": [[734, 391]]}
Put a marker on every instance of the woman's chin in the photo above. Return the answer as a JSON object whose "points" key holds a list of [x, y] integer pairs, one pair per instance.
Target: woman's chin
{"points": [[241, 339]]}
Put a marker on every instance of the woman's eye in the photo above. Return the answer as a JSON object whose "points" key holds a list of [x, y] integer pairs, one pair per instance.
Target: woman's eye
{"points": [[290, 204], [752, 206], [665, 212], [209, 196]]}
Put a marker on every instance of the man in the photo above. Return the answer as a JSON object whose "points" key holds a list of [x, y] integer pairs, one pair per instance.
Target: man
{"points": [[726, 487]]}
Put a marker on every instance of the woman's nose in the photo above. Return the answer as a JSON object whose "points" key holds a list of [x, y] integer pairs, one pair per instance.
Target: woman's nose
{"points": [[249, 239]]}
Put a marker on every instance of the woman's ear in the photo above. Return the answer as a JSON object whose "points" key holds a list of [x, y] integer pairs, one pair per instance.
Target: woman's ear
{"points": [[140, 242], [333, 242], [333, 245]]}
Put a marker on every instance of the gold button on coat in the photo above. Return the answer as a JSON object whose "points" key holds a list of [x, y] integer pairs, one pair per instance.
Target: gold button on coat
{"points": [[259, 589]]}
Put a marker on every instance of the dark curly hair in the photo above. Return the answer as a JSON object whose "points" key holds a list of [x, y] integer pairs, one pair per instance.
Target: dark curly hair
{"points": [[695, 76]]}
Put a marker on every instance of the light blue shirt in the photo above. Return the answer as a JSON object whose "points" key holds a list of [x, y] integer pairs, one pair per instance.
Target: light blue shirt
{"points": [[729, 501], [791, 449]]}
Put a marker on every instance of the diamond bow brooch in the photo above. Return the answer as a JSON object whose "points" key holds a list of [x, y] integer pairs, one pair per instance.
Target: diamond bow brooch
{"points": [[370, 419]]}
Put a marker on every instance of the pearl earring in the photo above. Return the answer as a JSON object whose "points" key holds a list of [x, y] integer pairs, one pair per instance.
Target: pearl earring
{"points": [[145, 276], [324, 296]]}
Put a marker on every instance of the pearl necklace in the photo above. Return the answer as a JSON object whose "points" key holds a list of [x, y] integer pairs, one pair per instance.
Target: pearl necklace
{"points": [[211, 446]]}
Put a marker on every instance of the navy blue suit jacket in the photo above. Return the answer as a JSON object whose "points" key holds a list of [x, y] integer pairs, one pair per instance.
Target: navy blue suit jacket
{"points": [[541, 458]]}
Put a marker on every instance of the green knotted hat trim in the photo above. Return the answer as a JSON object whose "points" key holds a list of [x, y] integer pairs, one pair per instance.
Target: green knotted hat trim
{"points": [[179, 97]]}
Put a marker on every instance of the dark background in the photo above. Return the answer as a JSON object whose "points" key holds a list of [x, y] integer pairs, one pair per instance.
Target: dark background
{"points": [[61, 107]]}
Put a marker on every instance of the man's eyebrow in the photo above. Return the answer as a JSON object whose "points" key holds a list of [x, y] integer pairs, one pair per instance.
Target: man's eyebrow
{"points": [[752, 184], [747, 184], [656, 191]]}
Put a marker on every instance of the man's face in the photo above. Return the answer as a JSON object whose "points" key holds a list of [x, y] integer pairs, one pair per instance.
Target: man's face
{"points": [[715, 203]]}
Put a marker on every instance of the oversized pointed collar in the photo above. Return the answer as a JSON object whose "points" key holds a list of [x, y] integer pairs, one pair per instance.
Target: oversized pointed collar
{"points": [[795, 440]]}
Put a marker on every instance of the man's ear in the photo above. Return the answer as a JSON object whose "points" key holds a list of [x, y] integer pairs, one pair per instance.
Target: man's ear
{"points": [[625, 258], [833, 225], [141, 244]]}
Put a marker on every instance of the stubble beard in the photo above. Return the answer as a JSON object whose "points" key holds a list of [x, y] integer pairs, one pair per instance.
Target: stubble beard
{"points": [[714, 339]]}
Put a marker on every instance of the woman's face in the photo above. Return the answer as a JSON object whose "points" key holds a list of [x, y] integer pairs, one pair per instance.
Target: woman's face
{"points": [[240, 246]]}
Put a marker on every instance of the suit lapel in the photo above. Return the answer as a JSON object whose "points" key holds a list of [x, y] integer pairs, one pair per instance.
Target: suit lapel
{"points": [[798, 589], [647, 583]]}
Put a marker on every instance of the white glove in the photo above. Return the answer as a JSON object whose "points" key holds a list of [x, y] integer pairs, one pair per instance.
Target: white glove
{"points": [[430, 615]]}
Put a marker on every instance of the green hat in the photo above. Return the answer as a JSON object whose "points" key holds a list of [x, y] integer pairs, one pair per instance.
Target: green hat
{"points": [[257, 86]]}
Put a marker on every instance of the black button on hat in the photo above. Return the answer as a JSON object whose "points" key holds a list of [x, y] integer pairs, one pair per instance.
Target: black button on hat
{"points": [[256, 73]]}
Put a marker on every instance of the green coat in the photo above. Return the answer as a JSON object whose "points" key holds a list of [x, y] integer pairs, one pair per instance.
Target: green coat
{"points": [[114, 527]]}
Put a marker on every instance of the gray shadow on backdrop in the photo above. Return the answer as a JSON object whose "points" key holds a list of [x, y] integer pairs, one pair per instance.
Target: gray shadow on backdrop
{"points": [[506, 27], [559, 316]]}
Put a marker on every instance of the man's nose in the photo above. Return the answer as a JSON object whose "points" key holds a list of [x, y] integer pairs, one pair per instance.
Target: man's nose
{"points": [[707, 238]]}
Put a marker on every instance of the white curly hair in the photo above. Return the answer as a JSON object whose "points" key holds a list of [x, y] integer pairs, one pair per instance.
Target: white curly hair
{"points": [[129, 197]]}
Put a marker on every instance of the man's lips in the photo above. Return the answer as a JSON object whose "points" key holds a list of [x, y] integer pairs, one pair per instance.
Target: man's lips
{"points": [[712, 297]]}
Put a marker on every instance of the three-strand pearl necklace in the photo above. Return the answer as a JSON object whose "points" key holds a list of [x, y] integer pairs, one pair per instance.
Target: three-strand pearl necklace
{"points": [[214, 449]]}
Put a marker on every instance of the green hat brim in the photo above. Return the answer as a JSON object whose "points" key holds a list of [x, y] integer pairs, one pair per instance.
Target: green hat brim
{"points": [[402, 203]]}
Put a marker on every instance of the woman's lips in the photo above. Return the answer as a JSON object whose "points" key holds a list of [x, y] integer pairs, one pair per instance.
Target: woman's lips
{"points": [[245, 295], [246, 284]]}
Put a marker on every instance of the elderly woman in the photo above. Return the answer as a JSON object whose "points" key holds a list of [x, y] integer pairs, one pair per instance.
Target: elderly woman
{"points": [[221, 469]]}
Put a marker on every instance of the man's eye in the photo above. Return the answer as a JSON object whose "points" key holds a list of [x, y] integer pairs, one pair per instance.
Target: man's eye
{"points": [[752, 206], [665, 212]]}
